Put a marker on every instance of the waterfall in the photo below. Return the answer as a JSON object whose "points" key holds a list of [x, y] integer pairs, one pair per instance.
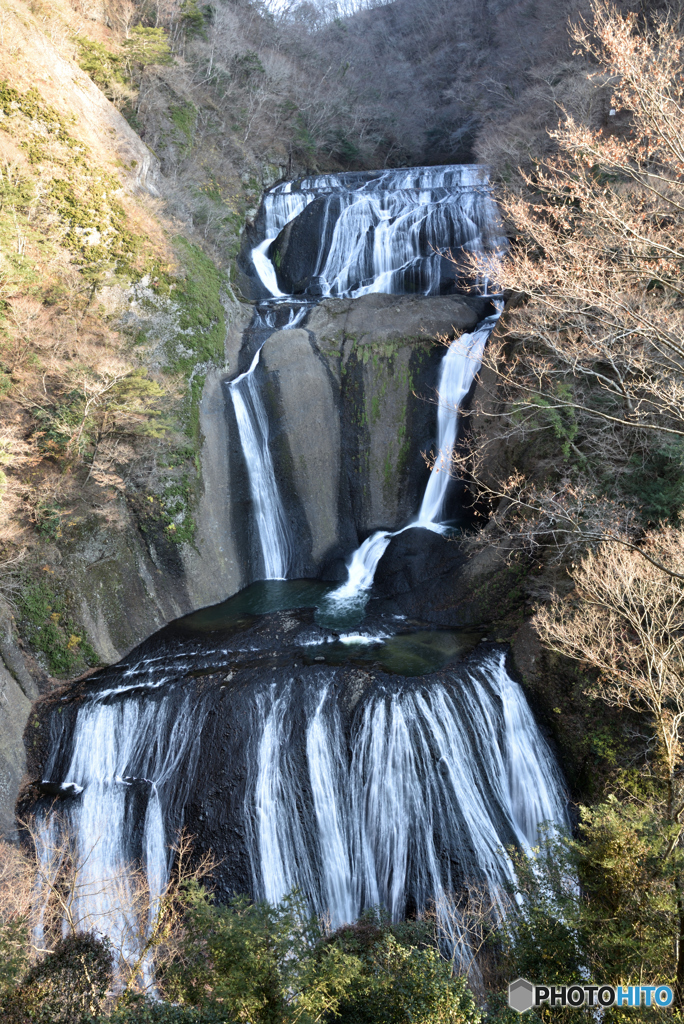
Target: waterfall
{"points": [[132, 761], [399, 803], [430, 788], [397, 797], [271, 524], [383, 231], [457, 373]]}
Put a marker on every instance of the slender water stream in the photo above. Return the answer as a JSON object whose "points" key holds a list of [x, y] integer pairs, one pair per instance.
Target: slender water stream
{"points": [[457, 373], [252, 422]]}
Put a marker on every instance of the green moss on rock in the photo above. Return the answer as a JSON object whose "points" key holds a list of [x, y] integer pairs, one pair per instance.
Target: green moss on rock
{"points": [[50, 627]]}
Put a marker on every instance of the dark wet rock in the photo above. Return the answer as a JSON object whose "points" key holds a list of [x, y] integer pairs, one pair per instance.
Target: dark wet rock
{"points": [[226, 711], [302, 243], [61, 790], [413, 558]]}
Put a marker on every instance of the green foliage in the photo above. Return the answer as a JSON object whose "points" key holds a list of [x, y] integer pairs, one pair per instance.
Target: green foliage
{"points": [[629, 911], [657, 484], [561, 421], [202, 317], [601, 907], [103, 66], [16, 190], [49, 627], [177, 510], [56, 425], [184, 117], [13, 954], [48, 519], [193, 17], [343, 146], [244, 66], [139, 396], [148, 46], [67, 986], [303, 138], [144, 1011], [271, 964], [43, 116], [400, 982], [544, 938], [97, 233], [258, 962]]}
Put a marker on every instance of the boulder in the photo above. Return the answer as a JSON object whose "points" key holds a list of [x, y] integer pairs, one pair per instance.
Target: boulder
{"points": [[383, 350], [412, 559], [311, 423]]}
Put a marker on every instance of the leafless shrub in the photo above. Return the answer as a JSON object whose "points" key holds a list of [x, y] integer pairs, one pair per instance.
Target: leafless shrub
{"points": [[466, 923], [56, 890]]}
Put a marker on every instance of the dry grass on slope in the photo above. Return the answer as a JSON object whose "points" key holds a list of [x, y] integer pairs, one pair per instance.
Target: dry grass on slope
{"points": [[82, 408]]}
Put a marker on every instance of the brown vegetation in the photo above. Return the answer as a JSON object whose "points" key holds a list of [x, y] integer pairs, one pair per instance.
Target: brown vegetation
{"points": [[51, 889], [588, 371]]}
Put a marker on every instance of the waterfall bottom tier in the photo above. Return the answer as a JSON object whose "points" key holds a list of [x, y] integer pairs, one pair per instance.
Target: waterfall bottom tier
{"points": [[358, 788]]}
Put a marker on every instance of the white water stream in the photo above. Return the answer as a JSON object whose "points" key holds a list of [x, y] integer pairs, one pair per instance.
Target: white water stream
{"points": [[457, 373], [438, 781], [129, 758], [384, 232]]}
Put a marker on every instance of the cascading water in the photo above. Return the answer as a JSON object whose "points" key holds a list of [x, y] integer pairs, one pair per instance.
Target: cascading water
{"points": [[459, 368], [252, 423], [389, 792], [130, 765], [382, 231], [440, 779]]}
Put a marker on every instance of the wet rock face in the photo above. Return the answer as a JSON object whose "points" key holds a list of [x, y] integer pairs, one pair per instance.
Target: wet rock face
{"points": [[296, 760], [220, 670], [297, 250], [350, 402], [16, 708], [309, 426], [413, 559]]}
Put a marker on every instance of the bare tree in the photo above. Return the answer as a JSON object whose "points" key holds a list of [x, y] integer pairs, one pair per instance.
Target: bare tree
{"points": [[124, 13], [596, 353], [57, 890], [625, 620]]}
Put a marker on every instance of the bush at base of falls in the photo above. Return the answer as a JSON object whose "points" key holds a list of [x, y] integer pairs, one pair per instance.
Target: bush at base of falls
{"points": [[272, 964], [405, 983], [69, 986], [145, 1011]]}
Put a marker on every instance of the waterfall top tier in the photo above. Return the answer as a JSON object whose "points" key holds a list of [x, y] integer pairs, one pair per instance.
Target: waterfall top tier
{"points": [[355, 233], [449, 176]]}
